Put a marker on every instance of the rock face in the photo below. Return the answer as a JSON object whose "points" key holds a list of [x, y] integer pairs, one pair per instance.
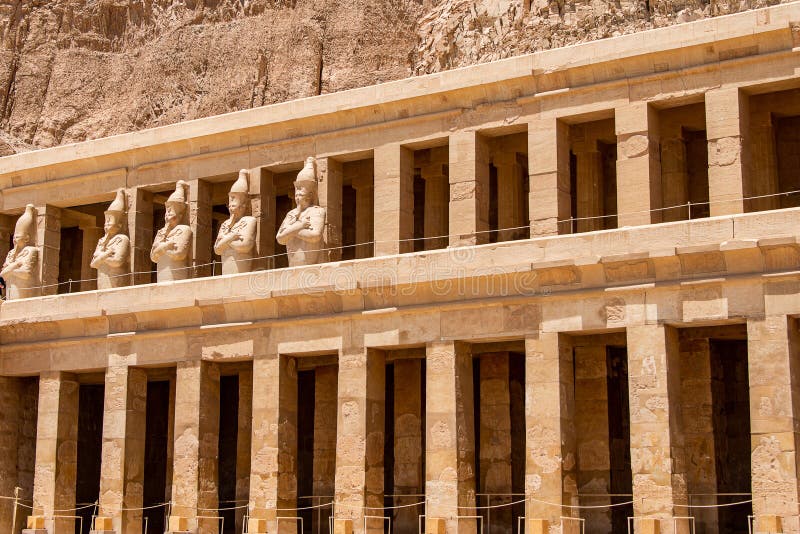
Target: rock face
{"points": [[72, 70]]}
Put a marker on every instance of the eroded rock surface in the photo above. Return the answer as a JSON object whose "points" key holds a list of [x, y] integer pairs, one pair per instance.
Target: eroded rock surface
{"points": [[72, 70]]}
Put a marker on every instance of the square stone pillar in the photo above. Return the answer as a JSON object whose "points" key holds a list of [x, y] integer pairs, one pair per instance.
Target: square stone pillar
{"points": [[495, 442], [437, 205], [23, 452], [697, 412], [56, 448], [10, 422], [200, 216], [330, 175], [365, 213], [657, 433], [450, 436], [394, 199], [273, 458], [774, 374], [510, 196], [243, 438], [324, 463], [122, 467], [196, 439], [359, 438], [140, 232], [262, 207], [91, 235], [549, 427], [592, 441], [48, 239], [409, 478], [727, 123], [549, 197], [469, 189], [638, 165]]}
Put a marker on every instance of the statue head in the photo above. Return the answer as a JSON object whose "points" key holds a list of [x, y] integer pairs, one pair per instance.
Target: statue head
{"points": [[305, 186], [114, 214], [175, 206], [23, 230], [238, 195]]}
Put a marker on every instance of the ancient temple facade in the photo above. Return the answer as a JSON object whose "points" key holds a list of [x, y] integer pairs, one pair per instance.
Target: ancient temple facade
{"points": [[556, 293]]}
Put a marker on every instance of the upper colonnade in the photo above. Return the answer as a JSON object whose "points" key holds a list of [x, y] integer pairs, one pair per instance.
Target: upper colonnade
{"points": [[656, 126]]}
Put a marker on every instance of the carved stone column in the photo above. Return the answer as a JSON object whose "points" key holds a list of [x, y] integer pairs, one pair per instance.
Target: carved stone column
{"points": [[772, 348], [359, 438], [549, 426], [56, 448], [196, 439], [450, 437], [122, 469], [656, 426], [273, 461]]}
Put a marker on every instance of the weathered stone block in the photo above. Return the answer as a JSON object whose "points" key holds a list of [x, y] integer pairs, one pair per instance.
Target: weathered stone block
{"points": [[769, 524], [435, 525], [649, 526], [256, 526], [538, 526], [102, 523], [342, 526], [36, 522], [178, 524]]}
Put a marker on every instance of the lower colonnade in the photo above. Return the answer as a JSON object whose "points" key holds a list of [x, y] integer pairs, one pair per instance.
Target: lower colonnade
{"points": [[650, 424]]}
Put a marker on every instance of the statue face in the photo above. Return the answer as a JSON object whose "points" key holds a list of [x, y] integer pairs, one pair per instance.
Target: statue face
{"points": [[172, 214], [303, 196], [21, 240], [236, 204], [111, 225]]}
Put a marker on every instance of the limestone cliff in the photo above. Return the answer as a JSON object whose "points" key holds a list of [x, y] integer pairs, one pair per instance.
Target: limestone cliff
{"points": [[80, 69]]}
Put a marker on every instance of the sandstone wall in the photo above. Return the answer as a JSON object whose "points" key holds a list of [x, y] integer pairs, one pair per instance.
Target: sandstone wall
{"points": [[72, 70]]}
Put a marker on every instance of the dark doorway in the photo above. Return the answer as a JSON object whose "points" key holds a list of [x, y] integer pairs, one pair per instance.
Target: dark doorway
{"points": [[305, 446], [155, 455], [730, 392], [228, 448], [90, 445], [619, 436]]}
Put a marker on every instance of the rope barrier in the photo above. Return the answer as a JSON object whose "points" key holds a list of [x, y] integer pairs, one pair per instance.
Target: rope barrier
{"points": [[160, 505], [428, 238], [420, 503], [712, 505]]}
